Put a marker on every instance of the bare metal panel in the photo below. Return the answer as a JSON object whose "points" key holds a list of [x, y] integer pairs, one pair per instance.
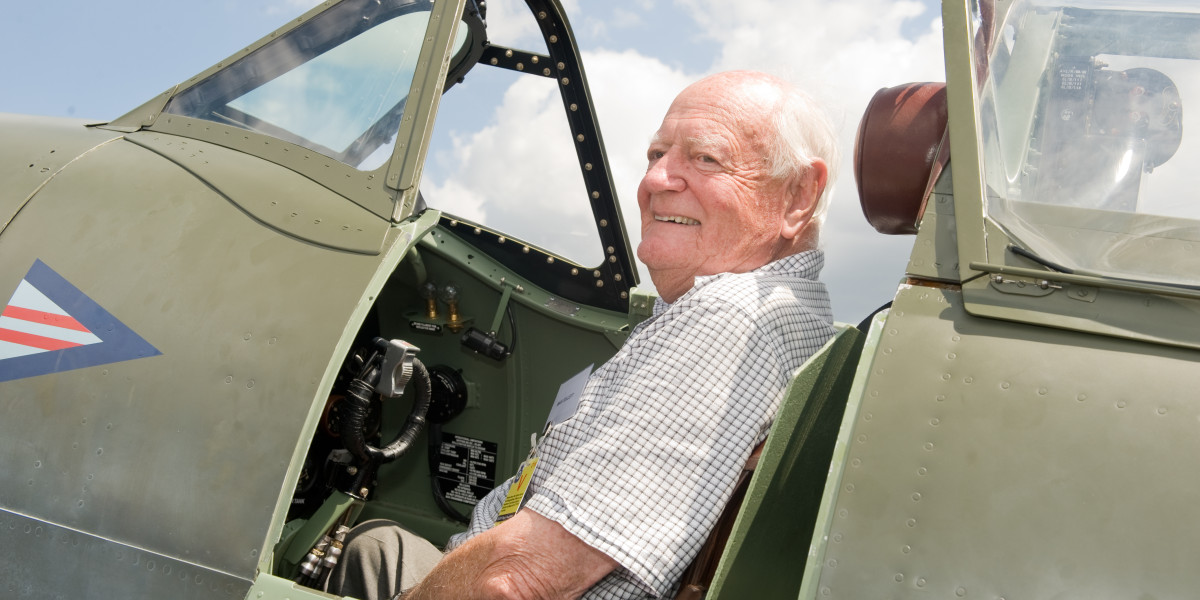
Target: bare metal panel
{"points": [[998, 460], [29, 546]]}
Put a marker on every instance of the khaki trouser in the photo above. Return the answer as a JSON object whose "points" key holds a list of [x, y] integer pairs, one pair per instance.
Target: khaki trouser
{"points": [[380, 560]]}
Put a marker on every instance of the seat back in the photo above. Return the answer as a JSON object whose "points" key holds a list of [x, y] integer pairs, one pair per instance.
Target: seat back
{"points": [[768, 544]]}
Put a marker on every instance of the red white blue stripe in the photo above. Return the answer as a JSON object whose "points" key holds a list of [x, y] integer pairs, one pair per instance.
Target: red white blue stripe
{"points": [[50, 326]]}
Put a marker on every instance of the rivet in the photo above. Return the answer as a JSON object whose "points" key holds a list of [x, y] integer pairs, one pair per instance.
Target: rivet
{"points": [[579, 138], [533, 59], [587, 166], [525, 250], [911, 523], [862, 439], [599, 283], [520, 66], [508, 54], [478, 231], [549, 260], [542, 14], [454, 222], [546, 72], [850, 487], [596, 273], [612, 259], [832, 562], [502, 239], [921, 582], [604, 222], [968, 379], [1081, 397], [596, 195], [856, 462], [1121, 404], [960, 592], [624, 295], [610, 249], [928, 446], [951, 356], [899, 577], [1162, 410], [554, 39], [1004, 385], [916, 497], [566, 81], [561, 66], [906, 549], [945, 377], [837, 538], [922, 471], [935, 421], [574, 107], [617, 277], [574, 271]]}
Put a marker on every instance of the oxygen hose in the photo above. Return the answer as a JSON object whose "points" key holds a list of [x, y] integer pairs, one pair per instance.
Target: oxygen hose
{"points": [[358, 405]]}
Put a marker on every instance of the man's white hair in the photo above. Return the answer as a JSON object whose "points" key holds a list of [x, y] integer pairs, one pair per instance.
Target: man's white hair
{"points": [[803, 131]]}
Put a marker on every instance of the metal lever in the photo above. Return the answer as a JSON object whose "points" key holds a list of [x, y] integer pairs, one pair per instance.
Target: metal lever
{"points": [[397, 367]]}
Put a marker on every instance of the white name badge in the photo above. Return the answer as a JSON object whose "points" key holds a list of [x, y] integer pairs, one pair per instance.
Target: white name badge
{"points": [[567, 400]]}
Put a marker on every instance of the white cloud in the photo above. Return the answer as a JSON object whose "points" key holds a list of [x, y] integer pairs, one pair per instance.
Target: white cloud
{"points": [[842, 52]]}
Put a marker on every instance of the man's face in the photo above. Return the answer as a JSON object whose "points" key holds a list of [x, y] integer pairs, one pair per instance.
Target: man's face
{"points": [[707, 202]]}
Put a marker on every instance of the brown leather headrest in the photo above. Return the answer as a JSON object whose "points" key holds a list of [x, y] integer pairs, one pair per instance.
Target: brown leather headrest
{"points": [[900, 150]]}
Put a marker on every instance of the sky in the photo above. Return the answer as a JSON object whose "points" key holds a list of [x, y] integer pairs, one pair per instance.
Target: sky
{"points": [[98, 60]]}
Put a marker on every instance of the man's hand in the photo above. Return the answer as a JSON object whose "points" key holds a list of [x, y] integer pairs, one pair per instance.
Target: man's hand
{"points": [[526, 557]]}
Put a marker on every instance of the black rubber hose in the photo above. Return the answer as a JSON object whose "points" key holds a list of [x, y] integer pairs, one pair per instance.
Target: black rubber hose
{"points": [[358, 405]]}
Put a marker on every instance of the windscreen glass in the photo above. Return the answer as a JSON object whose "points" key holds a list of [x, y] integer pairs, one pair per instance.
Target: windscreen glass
{"points": [[1087, 158], [338, 90]]}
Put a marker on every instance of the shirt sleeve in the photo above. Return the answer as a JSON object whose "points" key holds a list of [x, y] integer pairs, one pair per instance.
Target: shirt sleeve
{"points": [[644, 468]]}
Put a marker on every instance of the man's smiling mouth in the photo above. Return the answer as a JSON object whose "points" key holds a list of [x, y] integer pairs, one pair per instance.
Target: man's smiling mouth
{"points": [[680, 220]]}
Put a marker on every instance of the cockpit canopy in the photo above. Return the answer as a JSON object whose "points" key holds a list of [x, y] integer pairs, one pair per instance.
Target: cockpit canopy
{"points": [[1081, 116]]}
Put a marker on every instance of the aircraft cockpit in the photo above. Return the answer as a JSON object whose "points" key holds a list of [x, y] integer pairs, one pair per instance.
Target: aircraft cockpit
{"points": [[1080, 113]]}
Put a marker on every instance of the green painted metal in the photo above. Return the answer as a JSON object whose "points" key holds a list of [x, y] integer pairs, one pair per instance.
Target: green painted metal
{"points": [[780, 507], [935, 251], [983, 449], [270, 194], [429, 80], [333, 511], [837, 466], [965, 151], [37, 149], [270, 587]]}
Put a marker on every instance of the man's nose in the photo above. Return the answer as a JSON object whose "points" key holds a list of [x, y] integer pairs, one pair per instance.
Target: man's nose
{"points": [[664, 174]]}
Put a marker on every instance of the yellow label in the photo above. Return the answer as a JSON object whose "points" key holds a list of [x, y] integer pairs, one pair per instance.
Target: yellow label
{"points": [[516, 494]]}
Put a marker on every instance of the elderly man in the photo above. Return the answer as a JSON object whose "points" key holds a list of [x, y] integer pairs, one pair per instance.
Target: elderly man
{"points": [[626, 490]]}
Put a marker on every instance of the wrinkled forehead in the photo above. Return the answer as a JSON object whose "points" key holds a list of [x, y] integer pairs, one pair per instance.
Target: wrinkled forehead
{"points": [[740, 112]]}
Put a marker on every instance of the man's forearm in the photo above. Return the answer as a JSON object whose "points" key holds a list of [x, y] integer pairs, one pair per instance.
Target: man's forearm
{"points": [[528, 557]]}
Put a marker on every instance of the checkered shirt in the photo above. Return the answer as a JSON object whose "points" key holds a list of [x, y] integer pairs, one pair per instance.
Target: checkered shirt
{"points": [[649, 459]]}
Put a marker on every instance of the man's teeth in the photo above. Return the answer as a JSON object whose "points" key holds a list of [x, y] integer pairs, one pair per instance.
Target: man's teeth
{"points": [[680, 220]]}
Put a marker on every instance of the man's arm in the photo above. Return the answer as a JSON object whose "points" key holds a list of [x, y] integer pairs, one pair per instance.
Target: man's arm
{"points": [[526, 557]]}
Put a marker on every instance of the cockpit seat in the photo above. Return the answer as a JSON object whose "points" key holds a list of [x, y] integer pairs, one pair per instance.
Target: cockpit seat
{"points": [[899, 152]]}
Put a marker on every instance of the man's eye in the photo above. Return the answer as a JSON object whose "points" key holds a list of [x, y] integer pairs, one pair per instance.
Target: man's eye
{"points": [[655, 154], [706, 158]]}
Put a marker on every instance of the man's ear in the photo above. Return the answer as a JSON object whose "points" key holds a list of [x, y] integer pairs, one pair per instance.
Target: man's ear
{"points": [[802, 194]]}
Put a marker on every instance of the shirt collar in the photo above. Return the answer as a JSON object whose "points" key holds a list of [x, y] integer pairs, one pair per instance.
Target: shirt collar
{"points": [[806, 265]]}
